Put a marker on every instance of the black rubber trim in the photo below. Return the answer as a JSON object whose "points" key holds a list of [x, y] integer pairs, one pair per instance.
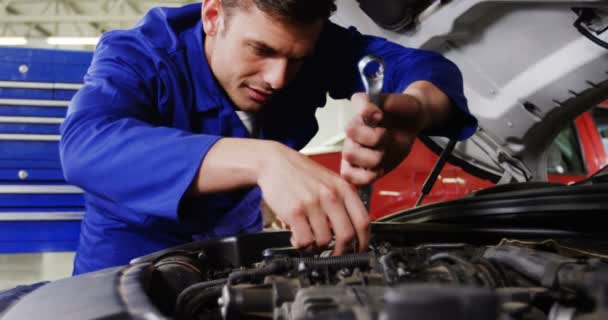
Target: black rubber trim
{"points": [[416, 233], [569, 207]]}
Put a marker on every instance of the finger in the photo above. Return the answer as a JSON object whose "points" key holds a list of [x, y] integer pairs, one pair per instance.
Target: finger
{"points": [[365, 135], [359, 217], [359, 100], [302, 236], [361, 157], [342, 226], [320, 226], [369, 112], [357, 176]]}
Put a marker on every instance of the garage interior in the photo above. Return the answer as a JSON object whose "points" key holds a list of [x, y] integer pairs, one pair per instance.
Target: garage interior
{"points": [[539, 127]]}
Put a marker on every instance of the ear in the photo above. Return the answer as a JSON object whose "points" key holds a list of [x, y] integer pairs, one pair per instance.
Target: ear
{"points": [[211, 15]]}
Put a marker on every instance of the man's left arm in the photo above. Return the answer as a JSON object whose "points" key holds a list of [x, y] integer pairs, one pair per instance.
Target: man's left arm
{"points": [[422, 94]]}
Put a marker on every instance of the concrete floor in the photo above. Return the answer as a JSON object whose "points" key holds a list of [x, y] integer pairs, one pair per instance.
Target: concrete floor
{"points": [[18, 269]]}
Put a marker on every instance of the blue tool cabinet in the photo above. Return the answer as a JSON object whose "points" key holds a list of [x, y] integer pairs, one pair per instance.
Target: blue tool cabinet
{"points": [[39, 211]]}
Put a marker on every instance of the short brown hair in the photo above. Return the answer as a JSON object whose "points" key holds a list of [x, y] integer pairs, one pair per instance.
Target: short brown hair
{"points": [[298, 11]]}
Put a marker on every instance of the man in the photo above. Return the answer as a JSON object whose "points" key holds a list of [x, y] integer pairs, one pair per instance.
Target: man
{"points": [[160, 136]]}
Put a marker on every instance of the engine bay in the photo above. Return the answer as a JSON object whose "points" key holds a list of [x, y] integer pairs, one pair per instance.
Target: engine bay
{"points": [[511, 279]]}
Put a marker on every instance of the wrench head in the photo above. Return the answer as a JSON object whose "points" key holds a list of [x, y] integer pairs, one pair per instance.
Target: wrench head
{"points": [[371, 69]]}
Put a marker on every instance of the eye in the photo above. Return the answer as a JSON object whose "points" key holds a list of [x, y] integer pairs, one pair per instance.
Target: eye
{"points": [[263, 51]]}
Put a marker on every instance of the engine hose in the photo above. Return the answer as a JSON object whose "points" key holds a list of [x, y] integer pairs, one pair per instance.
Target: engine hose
{"points": [[450, 257], [188, 293], [453, 274], [478, 268], [349, 261], [485, 277], [539, 266], [468, 269], [498, 277], [275, 266], [192, 307]]}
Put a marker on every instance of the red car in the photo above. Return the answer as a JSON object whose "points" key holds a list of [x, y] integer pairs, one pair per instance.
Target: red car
{"points": [[578, 151]]}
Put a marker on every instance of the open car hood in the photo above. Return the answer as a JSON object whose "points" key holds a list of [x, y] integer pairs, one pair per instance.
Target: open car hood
{"points": [[528, 71]]}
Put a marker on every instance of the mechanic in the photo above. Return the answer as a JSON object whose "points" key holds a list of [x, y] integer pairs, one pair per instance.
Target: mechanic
{"points": [[187, 120]]}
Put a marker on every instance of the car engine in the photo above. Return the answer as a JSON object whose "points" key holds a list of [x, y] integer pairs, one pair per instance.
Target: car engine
{"points": [[509, 280]]}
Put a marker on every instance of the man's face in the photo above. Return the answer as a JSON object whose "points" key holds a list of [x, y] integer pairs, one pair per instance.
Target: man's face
{"points": [[253, 55]]}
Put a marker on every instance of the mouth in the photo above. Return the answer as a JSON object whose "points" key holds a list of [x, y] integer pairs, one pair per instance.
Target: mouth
{"points": [[258, 96]]}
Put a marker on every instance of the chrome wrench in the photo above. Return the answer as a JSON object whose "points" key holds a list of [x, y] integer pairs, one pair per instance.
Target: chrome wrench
{"points": [[371, 69]]}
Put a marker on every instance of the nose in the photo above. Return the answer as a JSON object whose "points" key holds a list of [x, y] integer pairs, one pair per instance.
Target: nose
{"points": [[276, 73]]}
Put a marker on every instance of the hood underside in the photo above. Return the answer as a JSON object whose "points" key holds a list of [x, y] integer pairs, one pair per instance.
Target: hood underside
{"points": [[528, 72]]}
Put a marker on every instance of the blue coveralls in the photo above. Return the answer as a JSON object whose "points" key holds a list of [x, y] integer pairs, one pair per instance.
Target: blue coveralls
{"points": [[150, 109]]}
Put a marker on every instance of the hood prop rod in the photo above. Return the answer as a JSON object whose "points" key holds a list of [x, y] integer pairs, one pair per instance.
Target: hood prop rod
{"points": [[430, 180]]}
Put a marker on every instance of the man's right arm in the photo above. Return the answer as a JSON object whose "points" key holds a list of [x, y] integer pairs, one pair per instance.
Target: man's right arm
{"points": [[114, 143], [315, 202]]}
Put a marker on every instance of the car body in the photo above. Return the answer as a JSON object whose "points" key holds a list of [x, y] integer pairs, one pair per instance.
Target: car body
{"points": [[578, 152]]}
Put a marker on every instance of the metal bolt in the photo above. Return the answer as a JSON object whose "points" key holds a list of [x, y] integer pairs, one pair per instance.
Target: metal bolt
{"points": [[401, 272], [201, 256], [344, 272], [23, 69], [22, 174], [385, 248]]}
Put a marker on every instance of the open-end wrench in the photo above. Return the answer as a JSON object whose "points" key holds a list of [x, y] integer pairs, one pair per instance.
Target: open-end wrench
{"points": [[371, 69]]}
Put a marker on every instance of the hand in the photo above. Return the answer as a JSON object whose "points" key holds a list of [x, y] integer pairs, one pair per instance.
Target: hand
{"points": [[271, 221], [378, 140], [314, 201]]}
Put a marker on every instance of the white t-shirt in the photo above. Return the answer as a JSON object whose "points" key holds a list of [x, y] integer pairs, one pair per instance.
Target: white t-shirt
{"points": [[248, 119]]}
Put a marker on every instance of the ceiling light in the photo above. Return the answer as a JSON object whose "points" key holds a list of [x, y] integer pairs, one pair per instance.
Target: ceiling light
{"points": [[72, 41], [13, 41]]}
